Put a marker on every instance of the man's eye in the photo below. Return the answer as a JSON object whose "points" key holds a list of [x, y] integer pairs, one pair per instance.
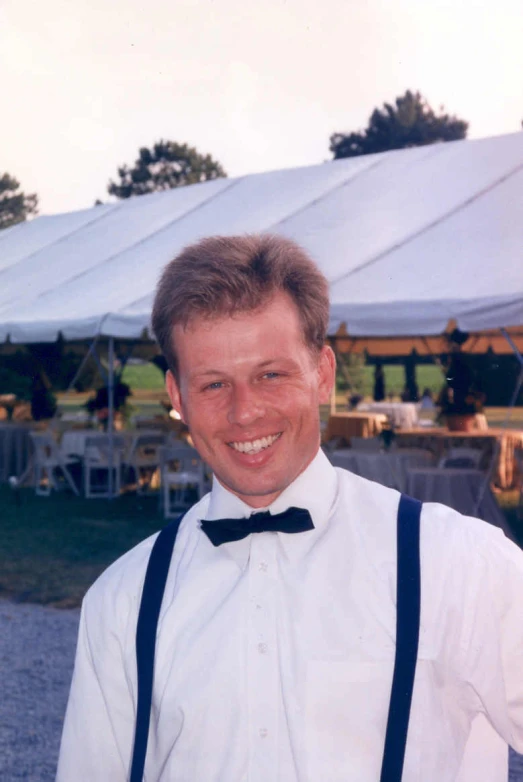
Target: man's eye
{"points": [[271, 375], [213, 386]]}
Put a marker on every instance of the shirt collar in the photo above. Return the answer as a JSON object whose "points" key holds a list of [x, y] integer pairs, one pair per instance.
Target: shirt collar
{"points": [[314, 489]]}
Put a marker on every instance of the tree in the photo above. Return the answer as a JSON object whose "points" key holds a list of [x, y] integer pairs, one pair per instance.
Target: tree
{"points": [[15, 206], [163, 167], [410, 122]]}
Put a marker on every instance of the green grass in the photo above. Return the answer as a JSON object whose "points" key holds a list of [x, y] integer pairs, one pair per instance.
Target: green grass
{"points": [[53, 548], [143, 376], [427, 376]]}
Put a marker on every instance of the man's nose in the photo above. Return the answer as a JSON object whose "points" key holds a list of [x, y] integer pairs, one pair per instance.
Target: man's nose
{"points": [[246, 405]]}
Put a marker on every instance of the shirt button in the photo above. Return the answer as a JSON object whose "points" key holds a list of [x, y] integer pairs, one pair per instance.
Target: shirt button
{"points": [[262, 648], [263, 732], [264, 567]]}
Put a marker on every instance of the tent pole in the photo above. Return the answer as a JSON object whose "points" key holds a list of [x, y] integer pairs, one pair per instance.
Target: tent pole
{"points": [[513, 346], [110, 415]]}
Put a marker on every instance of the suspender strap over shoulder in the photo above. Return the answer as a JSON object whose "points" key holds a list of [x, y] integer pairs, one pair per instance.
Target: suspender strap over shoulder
{"points": [[408, 605], [407, 637], [152, 594]]}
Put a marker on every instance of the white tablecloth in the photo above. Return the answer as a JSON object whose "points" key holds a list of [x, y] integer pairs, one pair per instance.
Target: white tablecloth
{"points": [[386, 467], [15, 449], [403, 415], [457, 488]]}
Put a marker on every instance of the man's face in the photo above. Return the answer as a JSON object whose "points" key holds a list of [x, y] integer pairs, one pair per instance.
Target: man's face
{"points": [[249, 390]]}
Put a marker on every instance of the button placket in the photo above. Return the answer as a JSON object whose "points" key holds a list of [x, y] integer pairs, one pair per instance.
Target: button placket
{"points": [[263, 683]]}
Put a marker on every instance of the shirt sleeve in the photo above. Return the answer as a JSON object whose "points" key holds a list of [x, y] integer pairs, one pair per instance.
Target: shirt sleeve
{"points": [[98, 729], [492, 639]]}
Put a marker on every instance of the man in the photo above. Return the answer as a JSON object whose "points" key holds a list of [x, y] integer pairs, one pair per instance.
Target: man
{"points": [[275, 651]]}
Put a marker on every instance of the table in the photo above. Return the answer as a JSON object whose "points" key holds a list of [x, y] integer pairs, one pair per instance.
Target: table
{"points": [[459, 489], [403, 415], [501, 442], [354, 424], [386, 467], [15, 449]]}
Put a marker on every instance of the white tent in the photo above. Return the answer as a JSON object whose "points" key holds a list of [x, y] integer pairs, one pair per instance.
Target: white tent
{"points": [[409, 240]]}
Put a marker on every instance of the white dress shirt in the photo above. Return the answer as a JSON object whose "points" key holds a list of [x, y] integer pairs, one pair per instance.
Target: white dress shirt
{"points": [[275, 653]]}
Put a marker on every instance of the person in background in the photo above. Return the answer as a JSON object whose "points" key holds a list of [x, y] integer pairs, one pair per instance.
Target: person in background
{"points": [[277, 632], [426, 401]]}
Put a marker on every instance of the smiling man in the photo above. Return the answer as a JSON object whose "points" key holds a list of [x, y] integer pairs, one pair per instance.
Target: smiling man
{"points": [[249, 388], [277, 638]]}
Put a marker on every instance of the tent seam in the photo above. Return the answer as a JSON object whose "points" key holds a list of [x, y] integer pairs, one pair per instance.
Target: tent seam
{"points": [[302, 208], [450, 213], [384, 157], [135, 244], [97, 218], [113, 257]]}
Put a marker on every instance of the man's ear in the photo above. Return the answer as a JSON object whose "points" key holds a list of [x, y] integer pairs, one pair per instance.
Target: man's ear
{"points": [[327, 374], [173, 390]]}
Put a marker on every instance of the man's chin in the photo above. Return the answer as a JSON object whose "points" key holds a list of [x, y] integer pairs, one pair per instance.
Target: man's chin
{"points": [[256, 494]]}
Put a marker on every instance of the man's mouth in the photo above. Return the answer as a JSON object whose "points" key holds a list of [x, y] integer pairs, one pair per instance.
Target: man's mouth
{"points": [[255, 446]]}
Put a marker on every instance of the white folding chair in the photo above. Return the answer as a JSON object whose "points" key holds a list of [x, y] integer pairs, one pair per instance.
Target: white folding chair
{"points": [[102, 469], [183, 478], [144, 458], [50, 465], [461, 457]]}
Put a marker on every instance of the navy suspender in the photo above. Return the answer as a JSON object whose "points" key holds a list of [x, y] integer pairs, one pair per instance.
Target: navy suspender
{"points": [[152, 595], [408, 601], [407, 635]]}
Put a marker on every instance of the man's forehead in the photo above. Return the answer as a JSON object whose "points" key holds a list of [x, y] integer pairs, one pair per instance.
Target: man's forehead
{"points": [[207, 321]]}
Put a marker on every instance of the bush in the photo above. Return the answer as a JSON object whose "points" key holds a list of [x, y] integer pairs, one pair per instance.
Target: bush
{"points": [[43, 404], [13, 383]]}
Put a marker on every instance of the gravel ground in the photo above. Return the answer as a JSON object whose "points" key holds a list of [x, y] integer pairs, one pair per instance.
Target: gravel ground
{"points": [[36, 662]]}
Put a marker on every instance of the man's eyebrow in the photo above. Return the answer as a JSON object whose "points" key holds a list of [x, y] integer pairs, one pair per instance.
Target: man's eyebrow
{"points": [[277, 360], [261, 365], [207, 372]]}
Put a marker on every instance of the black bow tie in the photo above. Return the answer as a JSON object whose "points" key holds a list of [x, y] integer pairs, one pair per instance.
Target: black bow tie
{"points": [[224, 530]]}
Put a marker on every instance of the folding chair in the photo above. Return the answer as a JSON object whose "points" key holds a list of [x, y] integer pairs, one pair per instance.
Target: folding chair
{"points": [[183, 476], [144, 458], [50, 465], [99, 464]]}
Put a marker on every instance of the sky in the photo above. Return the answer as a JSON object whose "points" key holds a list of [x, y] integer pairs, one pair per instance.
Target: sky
{"points": [[258, 84]]}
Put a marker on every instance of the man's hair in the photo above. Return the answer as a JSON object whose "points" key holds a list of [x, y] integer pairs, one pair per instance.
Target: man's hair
{"points": [[225, 275]]}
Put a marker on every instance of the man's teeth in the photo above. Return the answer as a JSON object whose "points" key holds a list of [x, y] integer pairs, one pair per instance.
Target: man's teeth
{"points": [[255, 446]]}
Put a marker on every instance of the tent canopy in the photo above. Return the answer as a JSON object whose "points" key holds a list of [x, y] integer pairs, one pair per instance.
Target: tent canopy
{"points": [[409, 241]]}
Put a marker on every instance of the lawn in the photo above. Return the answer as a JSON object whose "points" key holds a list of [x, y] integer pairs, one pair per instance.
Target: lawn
{"points": [[53, 548], [143, 376]]}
